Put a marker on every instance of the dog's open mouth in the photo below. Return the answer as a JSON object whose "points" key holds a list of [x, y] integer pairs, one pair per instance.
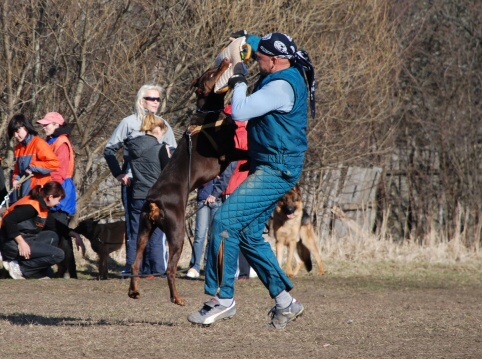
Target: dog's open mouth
{"points": [[290, 216]]}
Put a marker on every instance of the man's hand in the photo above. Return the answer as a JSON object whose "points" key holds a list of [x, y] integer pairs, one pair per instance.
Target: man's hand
{"points": [[235, 79], [124, 179], [210, 199], [16, 184]]}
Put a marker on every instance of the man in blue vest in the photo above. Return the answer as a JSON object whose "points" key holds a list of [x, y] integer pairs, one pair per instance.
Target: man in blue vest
{"points": [[277, 112]]}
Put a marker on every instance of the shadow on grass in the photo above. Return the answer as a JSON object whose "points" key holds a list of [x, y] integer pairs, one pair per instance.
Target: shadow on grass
{"points": [[90, 271], [34, 319]]}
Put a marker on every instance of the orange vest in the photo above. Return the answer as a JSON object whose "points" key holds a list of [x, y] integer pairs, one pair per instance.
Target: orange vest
{"points": [[33, 225], [55, 146]]}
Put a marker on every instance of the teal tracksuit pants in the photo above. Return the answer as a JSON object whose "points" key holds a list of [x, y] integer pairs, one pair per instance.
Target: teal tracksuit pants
{"points": [[239, 224]]}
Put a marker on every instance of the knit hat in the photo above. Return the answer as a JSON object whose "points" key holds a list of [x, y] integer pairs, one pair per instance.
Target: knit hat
{"points": [[52, 117]]}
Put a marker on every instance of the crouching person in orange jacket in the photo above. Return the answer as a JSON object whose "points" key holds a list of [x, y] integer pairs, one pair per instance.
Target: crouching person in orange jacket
{"points": [[27, 249]]}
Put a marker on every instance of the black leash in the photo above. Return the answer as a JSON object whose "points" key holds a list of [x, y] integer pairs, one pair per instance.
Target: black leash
{"points": [[190, 157]]}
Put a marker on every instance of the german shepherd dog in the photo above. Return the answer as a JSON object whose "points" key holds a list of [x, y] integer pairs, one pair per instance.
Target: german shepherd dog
{"points": [[104, 239], [292, 228]]}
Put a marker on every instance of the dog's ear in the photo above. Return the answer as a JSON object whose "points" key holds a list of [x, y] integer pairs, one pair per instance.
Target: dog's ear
{"points": [[297, 188]]}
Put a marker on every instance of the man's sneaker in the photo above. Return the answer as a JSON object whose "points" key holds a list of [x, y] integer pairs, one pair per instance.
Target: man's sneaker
{"points": [[211, 312], [281, 317], [13, 269], [252, 273], [192, 273]]}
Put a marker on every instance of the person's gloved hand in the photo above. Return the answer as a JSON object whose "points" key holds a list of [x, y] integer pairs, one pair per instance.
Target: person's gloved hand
{"points": [[235, 79]]}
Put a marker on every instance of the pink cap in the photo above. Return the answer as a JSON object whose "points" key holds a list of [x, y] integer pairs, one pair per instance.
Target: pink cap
{"points": [[50, 117]]}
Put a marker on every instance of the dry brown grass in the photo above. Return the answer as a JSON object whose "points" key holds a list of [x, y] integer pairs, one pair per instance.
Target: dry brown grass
{"points": [[359, 249]]}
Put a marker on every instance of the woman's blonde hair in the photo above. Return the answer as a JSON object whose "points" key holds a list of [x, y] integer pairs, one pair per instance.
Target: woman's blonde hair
{"points": [[138, 107], [151, 121]]}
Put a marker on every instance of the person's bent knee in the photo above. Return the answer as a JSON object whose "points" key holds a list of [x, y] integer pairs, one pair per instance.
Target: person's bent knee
{"points": [[58, 256]]}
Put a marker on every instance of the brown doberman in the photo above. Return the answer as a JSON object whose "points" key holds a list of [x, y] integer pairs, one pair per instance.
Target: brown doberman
{"points": [[203, 152]]}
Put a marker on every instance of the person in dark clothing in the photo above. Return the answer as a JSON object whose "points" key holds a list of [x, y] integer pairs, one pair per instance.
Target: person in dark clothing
{"points": [[147, 159], [3, 187], [28, 251]]}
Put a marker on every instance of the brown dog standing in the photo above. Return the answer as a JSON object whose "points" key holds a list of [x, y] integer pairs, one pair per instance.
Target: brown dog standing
{"points": [[293, 229]]}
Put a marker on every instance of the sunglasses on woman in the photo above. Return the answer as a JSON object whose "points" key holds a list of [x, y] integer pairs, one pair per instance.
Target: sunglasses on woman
{"points": [[152, 99]]}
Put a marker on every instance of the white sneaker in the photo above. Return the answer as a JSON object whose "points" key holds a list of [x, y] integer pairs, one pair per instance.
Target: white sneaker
{"points": [[211, 312], [192, 273], [252, 273], [13, 269]]}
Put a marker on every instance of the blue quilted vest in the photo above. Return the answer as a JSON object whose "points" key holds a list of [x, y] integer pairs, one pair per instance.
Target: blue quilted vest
{"points": [[280, 137]]}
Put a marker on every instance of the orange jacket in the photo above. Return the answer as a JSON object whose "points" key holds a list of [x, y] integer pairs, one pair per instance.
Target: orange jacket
{"points": [[35, 154]]}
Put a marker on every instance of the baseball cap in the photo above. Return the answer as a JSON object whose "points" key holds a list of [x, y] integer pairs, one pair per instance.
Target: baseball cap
{"points": [[50, 117]]}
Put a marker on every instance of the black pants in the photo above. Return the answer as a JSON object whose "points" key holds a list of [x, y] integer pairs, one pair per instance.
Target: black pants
{"points": [[44, 253], [65, 243], [244, 267]]}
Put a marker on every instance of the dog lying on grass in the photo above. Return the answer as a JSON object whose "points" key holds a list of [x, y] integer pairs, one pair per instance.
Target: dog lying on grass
{"points": [[292, 228], [104, 239]]}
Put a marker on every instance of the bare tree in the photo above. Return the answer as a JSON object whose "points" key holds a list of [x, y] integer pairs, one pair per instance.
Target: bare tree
{"points": [[440, 136]]}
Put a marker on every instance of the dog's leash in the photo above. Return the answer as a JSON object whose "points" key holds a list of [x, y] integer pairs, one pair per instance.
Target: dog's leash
{"points": [[20, 181], [189, 163]]}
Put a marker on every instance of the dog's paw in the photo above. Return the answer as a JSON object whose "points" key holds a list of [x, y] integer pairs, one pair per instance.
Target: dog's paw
{"points": [[178, 301], [134, 294]]}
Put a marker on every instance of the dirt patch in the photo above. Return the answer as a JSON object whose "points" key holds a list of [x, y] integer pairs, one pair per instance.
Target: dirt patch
{"points": [[384, 312]]}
